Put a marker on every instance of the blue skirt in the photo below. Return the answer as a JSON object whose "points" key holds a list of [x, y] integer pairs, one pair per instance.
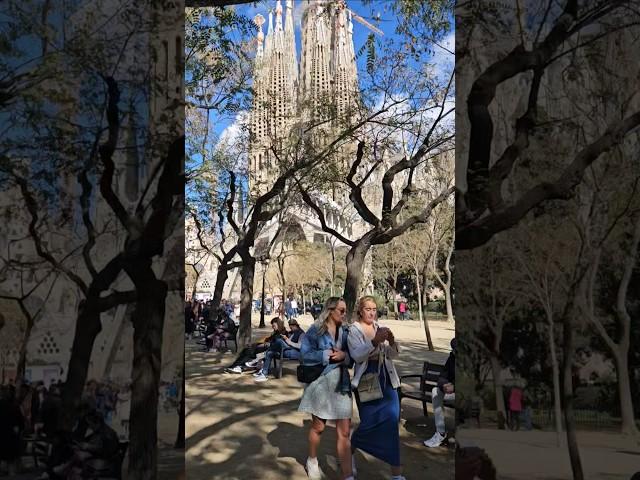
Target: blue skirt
{"points": [[379, 433]]}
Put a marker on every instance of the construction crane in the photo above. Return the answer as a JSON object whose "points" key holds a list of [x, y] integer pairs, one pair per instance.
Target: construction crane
{"points": [[361, 20], [342, 5]]}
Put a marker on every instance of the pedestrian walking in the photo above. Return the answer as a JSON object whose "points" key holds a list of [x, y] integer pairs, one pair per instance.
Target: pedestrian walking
{"points": [[328, 395], [375, 382]]}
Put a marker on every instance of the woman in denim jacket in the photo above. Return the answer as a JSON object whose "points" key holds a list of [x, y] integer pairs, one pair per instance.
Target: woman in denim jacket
{"points": [[329, 396]]}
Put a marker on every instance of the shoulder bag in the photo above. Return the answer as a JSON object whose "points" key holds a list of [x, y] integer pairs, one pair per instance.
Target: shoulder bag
{"points": [[369, 388], [309, 373]]}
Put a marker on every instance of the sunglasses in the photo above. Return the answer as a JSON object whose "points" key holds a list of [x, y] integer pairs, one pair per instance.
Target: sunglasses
{"points": [[341, 310]]}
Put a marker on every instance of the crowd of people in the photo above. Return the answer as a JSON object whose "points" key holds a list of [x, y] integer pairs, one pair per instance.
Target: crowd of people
{"points": [[340, 363], [216, 327], [33, 411]]}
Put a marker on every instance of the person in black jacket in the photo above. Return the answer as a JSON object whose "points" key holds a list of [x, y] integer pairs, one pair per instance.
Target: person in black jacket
{"points": [[445, 389], [223, 328]]}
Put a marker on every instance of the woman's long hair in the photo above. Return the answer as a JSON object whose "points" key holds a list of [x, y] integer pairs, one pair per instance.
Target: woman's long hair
{"points": [[323, 318], [357, 315], [281, 328]]}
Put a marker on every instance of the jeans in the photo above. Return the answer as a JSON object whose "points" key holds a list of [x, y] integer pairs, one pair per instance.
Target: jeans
{"points": [[437, 399], [276, 347]]}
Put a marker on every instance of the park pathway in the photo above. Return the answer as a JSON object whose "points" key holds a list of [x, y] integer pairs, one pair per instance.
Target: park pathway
{"points": [[239, 429]]}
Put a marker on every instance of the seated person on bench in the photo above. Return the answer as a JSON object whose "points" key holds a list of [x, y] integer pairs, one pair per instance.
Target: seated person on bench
{"points": [[223, 328], [251, 355], [444, 391], [95, 454], [288, 344]]}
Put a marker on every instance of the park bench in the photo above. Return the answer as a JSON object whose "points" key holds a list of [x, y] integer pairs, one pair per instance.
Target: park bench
{"points": [[421, 390], [278, 361], [232, 339], [122, 453], [38, 447]]}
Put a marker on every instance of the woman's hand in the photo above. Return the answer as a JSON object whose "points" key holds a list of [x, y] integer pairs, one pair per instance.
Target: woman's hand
{"points": [[390, 337], [337, 356], [381, 336]]}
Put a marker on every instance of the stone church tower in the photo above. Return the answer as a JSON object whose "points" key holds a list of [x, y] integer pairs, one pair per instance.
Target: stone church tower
{"points": [[286, 93], [289, 91]]}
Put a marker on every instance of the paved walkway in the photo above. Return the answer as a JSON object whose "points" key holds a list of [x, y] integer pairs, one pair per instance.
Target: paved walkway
{"points": [[516, 455], [239, 429]]}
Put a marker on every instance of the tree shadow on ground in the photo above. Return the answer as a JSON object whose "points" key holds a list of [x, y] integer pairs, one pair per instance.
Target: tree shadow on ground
{"points": [[238, 429]]}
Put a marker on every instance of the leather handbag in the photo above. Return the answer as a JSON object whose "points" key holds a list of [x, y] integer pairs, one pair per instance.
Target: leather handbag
{"points": [[369, 388], [309, 373]]}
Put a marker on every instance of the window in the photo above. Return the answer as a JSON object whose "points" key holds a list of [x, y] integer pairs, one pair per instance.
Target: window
{"points": [[48, 345]]}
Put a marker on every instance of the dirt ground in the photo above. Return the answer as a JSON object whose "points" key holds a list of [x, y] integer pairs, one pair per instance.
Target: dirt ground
{"points": [[239, 429]]}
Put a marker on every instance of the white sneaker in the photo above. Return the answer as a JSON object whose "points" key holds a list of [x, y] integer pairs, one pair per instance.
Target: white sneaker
{"points": [[261, 378], [237, 369], [313, 470], [258, 374], [252, 363], [434, 441]]}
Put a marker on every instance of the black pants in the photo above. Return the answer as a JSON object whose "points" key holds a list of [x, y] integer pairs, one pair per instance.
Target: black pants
{"points": [[249, 353]]}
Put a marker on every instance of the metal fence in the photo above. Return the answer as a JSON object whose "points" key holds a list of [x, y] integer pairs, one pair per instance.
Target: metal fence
{"points": [[545, 419]]}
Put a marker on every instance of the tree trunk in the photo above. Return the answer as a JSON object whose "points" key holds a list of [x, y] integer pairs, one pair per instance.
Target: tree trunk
{"points": [[567, 379], [446, 285], [179, 444], [423, 318], [147, 362], [22, 359], [283, 285], [333, 268], [246, 298], [304, 300], [195, 283], [496, 371], [355, 263], [425, 286], [221, 279], [624, 390], [448, 302], [88, 326], [557, 405], [264, 275]]}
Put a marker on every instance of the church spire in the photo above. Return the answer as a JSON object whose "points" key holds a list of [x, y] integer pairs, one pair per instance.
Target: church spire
{"points": [[278, 15], [259, 21], [269, 38], [288, 25]]}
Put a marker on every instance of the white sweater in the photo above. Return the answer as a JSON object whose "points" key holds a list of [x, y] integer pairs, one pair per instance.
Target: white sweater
{"points": [[360, 348]]}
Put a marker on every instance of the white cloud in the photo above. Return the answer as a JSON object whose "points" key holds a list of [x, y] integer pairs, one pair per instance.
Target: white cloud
{"points": [[233, 138], [442, 58]]}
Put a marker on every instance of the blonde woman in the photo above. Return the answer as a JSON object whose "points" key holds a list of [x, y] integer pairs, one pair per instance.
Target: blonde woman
{"points": [[328, 397], [375, 381]]}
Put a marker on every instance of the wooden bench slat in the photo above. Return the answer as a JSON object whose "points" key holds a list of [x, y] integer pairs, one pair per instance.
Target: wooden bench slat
{"points": [[427, 380]]}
